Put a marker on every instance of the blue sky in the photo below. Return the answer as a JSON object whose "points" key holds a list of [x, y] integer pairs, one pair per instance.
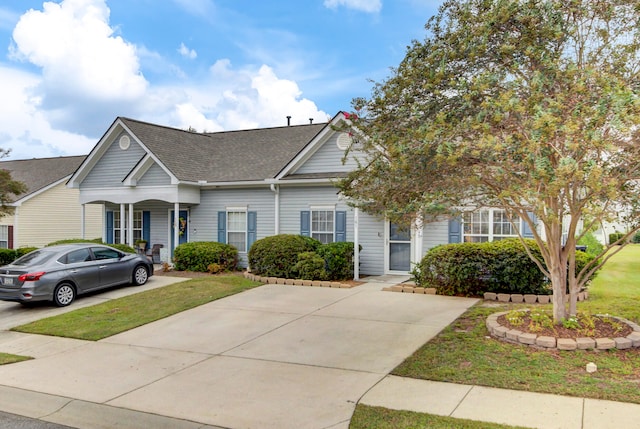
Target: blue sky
{"points": [[70, 67]]}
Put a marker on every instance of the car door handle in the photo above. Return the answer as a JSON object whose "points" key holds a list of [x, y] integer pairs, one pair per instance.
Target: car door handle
{"points": [[102, 266]]}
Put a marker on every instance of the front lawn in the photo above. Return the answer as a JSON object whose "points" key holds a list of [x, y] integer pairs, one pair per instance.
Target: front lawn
{"points": [[6, 358], [464, 353], [119, 315]]}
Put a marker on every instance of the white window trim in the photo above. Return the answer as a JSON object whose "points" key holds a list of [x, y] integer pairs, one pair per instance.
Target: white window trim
{"points": [[116, 218], [246, 225], [331, 209], [491, 236]]}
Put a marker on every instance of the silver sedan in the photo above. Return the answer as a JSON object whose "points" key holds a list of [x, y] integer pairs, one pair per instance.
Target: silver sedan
{"points": [[60, 273]]}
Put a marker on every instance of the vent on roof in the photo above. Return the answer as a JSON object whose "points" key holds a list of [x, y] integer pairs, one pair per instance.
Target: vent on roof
{"points": [[288, 121], [124, 142]]}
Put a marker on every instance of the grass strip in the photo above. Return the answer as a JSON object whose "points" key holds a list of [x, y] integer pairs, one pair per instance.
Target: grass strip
{"points": [[464, 353], [367, 417], [119, 315], [6, 358]]}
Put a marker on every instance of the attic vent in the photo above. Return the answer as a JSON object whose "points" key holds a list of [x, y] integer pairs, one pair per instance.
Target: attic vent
{"points": [[124, 142], [344, 141]]}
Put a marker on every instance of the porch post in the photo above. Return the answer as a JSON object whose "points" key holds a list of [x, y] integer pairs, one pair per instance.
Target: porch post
{"points": [[130, 226], [417, 247], [123, 223], [176, 226], [356, 245]]}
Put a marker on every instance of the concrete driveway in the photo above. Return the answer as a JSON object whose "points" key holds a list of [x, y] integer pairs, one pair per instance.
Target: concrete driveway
{"points": [[272, 357]]}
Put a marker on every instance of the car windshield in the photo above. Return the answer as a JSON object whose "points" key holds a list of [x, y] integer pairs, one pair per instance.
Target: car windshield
{"points": [[34, 258]]}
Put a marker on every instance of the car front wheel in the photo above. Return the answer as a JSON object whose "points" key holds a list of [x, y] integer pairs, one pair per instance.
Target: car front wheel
{"points": [[64, 294], [140, 275]]}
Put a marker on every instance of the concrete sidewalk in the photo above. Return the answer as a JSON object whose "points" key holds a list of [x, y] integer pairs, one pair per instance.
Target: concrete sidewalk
{"points": [[511, 407]]}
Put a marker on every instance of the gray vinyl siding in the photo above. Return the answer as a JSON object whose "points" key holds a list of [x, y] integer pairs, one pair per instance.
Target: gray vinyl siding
{"points": [[434, 234], [114, 166], [328, 159], [155, 176], [371, 239], [204, 217], [296, 199]]}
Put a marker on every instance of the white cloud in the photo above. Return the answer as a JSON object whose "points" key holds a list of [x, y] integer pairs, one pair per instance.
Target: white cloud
{"points": [[86, 68], [186, 52], [26, 131], [369, 6]]}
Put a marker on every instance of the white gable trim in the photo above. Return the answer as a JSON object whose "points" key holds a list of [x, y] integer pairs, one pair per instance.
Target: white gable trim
{"points": [[312, 147], [103, 145]]}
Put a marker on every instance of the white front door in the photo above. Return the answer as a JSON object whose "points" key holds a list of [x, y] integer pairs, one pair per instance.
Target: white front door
{"points": [[398, 247]]}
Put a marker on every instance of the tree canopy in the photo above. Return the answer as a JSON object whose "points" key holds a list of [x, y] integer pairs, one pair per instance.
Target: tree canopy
{"points": [[9, 188], [526, 105]]}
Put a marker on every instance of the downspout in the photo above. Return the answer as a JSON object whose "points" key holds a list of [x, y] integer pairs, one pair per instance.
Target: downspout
{"points": [[356, 244], [16, 228], [276, 190]]}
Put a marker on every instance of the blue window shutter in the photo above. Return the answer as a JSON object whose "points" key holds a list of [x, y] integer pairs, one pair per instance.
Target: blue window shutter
{"points": [[146, 226], [526, 231], [341, 226], [222, 227], [305, 223], [252, 228], [109, 231], [455, 231]]}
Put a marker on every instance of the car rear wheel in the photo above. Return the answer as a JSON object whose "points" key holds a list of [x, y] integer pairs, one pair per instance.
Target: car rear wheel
{"points": [[64, 294], [140, 275]]}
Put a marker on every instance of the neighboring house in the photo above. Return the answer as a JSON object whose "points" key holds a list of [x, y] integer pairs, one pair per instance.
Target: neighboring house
{"points": [[240, 186], [48, 210]]}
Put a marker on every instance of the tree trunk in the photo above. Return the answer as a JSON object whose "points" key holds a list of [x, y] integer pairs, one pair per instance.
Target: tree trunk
{"points": [[559, 287]]}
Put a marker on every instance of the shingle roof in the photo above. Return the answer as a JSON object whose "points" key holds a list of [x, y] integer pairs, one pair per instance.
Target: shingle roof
{"points": [[38, 173], [227, 156]]}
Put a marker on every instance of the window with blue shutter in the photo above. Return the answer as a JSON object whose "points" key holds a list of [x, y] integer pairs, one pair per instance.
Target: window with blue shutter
{"points": [[146, 227], [341, 226], [305, 223], [109, 228], [526, 231], [252, 228], [222, 227], [455, 231]]}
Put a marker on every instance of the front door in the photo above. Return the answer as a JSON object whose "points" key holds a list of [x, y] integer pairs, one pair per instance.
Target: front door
{"points": [[183, 225], [398, 248]]}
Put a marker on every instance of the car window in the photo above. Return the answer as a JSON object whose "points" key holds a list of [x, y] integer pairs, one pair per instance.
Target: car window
{"points": [[101, 253], [80, 255], [34, 258]]}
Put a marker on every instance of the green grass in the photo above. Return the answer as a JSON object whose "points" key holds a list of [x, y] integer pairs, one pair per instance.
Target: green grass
{"points": [[463, 352], [6, 358], [366, 417], [119, 315]]}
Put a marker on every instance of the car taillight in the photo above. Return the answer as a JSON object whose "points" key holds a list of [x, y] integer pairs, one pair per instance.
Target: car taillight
{"points": [[31, 277]]}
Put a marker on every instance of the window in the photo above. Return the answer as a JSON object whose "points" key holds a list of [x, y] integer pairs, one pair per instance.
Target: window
{"points": [[237, 230], [488, 225], [102, 253], [137, 227], [4, 236], [80, 255], [322, 225]]}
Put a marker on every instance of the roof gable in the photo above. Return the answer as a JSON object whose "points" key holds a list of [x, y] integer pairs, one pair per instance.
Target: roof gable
{"points": [[40, 173]]}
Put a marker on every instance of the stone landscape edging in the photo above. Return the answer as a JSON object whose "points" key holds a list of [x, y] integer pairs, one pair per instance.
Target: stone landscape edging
{"points": [[528, 298], [296, 282], [518, 337]]}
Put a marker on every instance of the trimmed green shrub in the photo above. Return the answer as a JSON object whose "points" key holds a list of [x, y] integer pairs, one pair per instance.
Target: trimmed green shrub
{"points": [[7, 256], [76, 240], [338, 259], [470, 269], [636, 238], [594, 247], [277, 255], [615, 236], [310, 266], [202, 255]]}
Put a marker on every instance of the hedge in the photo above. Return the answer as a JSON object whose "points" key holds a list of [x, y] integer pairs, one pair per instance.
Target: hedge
{"points": [[205, 256], [277, 255], [470, 269]]}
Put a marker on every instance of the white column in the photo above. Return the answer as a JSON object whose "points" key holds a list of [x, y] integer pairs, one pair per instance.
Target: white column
{"points": [[418, 242], [82, 221], [123, 222], [130, 226], [176, 226], [277, 202], [356, 244]]}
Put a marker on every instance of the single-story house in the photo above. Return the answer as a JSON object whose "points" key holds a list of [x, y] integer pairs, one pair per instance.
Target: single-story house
{"points": [[174, 186], [48, 211]]}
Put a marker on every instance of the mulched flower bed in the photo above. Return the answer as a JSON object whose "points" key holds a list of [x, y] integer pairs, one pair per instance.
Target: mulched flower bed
{"points": [[605, 327]]}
